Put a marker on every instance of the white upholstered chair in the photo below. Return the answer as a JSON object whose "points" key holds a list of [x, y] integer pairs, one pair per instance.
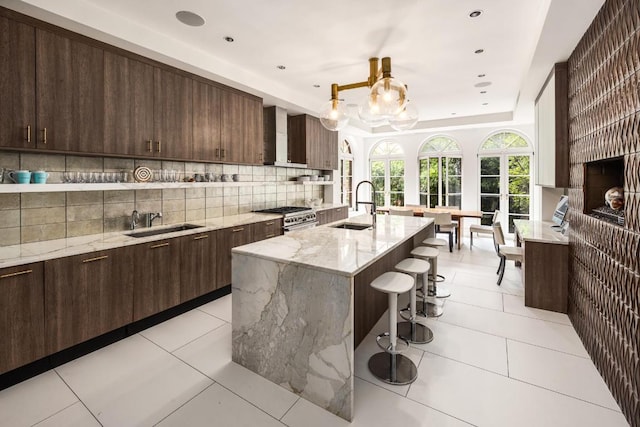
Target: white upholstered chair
{"points": [[483, 229], [443, 224], [401, 212], [505, 253]]}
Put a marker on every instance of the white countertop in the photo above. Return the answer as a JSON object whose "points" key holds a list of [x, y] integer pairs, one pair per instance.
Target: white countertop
{"points": [[336, 250], [50, 249], [539, 231]]}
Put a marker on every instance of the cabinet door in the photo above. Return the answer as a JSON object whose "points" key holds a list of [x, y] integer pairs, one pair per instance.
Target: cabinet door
{"points": [[86, 296], [323, 216], [198, 267], [206, 121], [157, 273], [232, 122], [21, 315], [69, 101], [253, 132], [329, 148], [315, 149], [267, 229], [297, 139], [17, 85], [340, 213], [173, 121], [128, 106], [227, 239]]}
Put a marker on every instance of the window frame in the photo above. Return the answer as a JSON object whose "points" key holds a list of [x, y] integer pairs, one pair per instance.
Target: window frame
{"points": [[346, 156], [443, 153], [387, 158]]}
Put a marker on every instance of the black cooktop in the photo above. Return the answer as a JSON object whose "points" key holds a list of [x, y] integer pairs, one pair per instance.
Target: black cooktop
{"points": [[284, 210]]}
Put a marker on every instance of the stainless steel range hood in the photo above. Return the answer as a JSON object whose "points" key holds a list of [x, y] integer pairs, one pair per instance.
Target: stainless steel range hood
{"points": [[275, 138]]}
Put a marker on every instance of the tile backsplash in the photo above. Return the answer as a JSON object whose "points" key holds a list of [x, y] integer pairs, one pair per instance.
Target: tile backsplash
{"points": [[33, 217]]}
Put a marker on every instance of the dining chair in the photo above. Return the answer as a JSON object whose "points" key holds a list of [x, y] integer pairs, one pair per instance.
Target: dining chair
{"points": [[505, 253], [483, 229], [443, 225], [401, 212], [454, 224]]}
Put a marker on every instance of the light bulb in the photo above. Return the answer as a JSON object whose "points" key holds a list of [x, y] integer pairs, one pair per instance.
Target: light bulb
{"points": [[333, 115], [390, 96], [405, 119], [368, 113]]}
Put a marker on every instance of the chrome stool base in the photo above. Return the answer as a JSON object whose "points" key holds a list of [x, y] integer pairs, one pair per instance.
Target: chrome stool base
{"points": [[393, 368], [429, 309], [415, 333]]}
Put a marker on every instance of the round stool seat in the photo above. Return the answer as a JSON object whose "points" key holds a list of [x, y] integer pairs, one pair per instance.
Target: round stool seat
{"points": [[425, 252], [393, 282], [432, 241], [413, 266]]}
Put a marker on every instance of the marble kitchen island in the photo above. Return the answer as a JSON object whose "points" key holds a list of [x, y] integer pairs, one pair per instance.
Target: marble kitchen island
{"points": [[302, 303]]}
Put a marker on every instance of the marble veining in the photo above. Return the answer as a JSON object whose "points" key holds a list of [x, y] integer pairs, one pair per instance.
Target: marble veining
{"points": [[539, 231], [293, 305], [41, 251]]}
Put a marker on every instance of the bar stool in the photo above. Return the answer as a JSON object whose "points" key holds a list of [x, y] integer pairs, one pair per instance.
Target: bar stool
{"points": [[390, 366], [431, 254], [434, 242], [425, 307], [411, 330]]}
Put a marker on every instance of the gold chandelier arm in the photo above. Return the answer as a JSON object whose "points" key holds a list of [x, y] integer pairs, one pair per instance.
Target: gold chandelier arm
{"points": [[353, 85]]}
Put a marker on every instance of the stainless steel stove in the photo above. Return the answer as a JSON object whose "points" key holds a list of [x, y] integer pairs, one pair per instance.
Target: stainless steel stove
{"points": [[294, 217]]}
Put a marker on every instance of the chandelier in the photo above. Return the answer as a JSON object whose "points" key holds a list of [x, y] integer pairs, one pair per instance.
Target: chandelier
{"points": [[386, 103]]}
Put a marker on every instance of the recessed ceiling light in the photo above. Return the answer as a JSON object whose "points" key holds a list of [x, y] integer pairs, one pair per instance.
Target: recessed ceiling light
{"points": [[280, 67], [483, 91], [482, 84], [228, 39], [481, 75], [485, 103], [316, 86], [189, 18], [453, 114], [475, 13], [479, 51]]}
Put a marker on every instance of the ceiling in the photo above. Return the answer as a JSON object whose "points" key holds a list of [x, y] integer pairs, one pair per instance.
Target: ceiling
{"points": [[431, 44]]}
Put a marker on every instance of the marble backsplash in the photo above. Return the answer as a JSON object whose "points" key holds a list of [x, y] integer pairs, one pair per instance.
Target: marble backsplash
{"points": [[33, 217]]}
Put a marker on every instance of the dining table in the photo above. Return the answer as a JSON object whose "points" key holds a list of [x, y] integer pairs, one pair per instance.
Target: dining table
{"points": [[457, 215]]}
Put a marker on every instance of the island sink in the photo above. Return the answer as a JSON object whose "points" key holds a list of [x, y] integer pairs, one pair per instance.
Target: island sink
{"points": [[158, 231], [351, 226]]}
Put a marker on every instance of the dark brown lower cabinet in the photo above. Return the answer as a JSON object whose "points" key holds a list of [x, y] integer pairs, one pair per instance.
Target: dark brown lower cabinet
{"points": [[331, 215], [267, 229], [86, 296], [21, 315], [157, 277], [229, 238], [198, 266]]}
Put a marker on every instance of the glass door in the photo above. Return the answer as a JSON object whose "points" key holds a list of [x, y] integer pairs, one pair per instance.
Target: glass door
{"points": [[505, 184], [387, 177]]}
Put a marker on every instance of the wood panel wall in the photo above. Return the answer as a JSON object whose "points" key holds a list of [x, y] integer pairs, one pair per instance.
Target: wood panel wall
{"points": [[604, 122]]}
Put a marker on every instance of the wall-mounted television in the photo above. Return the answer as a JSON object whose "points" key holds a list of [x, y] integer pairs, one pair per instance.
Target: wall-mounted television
{"points": [[561, 211]]}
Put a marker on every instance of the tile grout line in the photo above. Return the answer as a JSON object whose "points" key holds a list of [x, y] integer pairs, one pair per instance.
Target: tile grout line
{"points": [[179, 407], [76, 395]]}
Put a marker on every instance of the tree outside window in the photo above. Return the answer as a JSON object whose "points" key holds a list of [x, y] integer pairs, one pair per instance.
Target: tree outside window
{"points": [[440, 160], [387, 173]]}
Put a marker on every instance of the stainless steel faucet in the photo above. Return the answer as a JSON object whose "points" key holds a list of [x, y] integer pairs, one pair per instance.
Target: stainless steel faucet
{"points": [[372, 202], [150, 217], [135, 217]]}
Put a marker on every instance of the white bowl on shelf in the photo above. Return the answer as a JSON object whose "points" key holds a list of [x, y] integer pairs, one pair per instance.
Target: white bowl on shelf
{"points": [[304, 178]]}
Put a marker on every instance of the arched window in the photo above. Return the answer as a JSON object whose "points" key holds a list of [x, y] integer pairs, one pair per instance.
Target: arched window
{"points": [[346, 173], [505, 177], [387, 173], [440, 159]]}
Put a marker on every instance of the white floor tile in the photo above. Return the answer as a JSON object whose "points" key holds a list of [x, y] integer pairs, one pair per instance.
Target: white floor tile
{"points": [[209, 353], [374, 407], [538, 332], [464, 345], [221, 308], [515, 305], [561, 372], [132, 382], [217, 406], [34, 400], [270, 397], [487, 280], [75, 415], [367, 348], [485, 399], [477, 297], [181, 330]]}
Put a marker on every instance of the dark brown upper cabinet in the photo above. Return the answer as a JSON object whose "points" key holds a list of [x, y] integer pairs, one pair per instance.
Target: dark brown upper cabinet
{"points": [[206, 121], [241, 123], [70, 93], [17, 85], [172, 115], [309, 142], [128, 106]]}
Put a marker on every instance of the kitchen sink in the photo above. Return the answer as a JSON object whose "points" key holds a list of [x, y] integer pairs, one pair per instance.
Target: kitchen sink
{"points": [[351, 226], [157, 231]]}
